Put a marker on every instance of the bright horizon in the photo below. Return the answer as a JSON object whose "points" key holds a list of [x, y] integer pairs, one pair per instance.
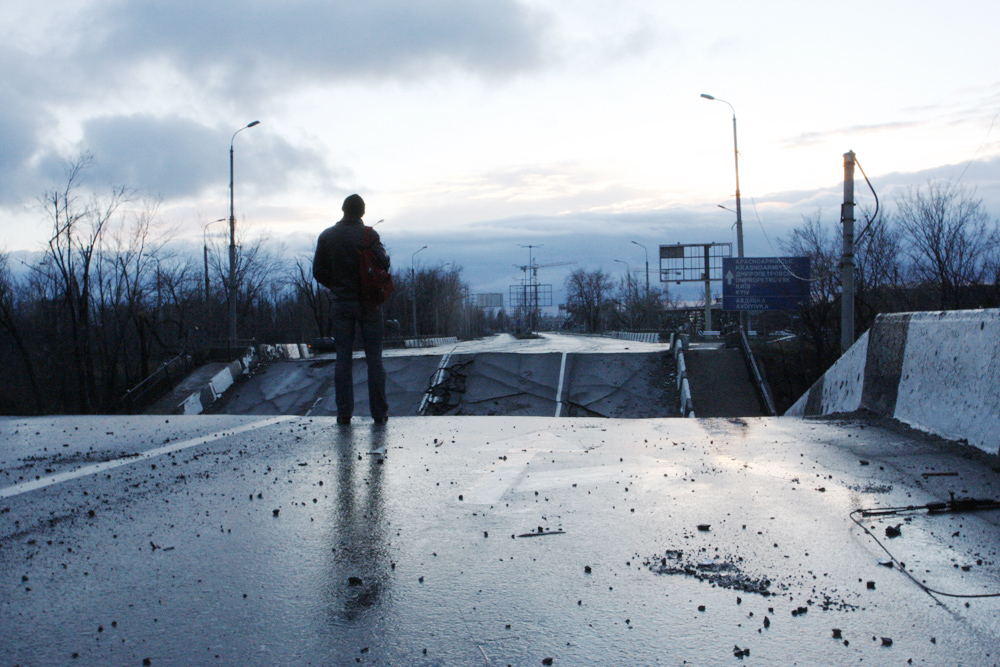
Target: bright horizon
{"points": [[475, 129]]}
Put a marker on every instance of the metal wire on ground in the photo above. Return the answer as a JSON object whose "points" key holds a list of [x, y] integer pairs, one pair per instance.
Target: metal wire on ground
{"points": [[961, 505]]}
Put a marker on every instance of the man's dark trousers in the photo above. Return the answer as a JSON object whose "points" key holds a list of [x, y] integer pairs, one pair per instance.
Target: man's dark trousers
{"points": [[347, 316]]}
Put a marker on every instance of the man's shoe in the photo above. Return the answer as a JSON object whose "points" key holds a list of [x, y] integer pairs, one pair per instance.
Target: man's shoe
{"points": [[381, 420], [344, 421]]}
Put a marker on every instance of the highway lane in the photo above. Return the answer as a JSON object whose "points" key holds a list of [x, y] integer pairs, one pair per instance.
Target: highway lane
{"points": [[486, 540]]}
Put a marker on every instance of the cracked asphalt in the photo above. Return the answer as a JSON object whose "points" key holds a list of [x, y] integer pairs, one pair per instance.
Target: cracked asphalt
{"points": [[288, 540]]}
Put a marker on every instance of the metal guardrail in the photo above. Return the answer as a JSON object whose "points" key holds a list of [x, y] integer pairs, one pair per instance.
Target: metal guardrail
{"points": [[763, 391], [159, 382], [683, 385], [163, 379]]}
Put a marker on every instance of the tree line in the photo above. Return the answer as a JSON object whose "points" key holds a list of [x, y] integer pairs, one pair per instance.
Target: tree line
{"points": [[595, 303], [114, 295], [936, 248]]}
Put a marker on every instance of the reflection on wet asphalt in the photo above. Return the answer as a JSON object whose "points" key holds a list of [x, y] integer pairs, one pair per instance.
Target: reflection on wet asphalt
{"points": [[492, 540]]}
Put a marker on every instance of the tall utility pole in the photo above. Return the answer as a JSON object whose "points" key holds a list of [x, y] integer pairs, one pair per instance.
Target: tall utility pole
{"points": [[847, 259], [532, 310]]}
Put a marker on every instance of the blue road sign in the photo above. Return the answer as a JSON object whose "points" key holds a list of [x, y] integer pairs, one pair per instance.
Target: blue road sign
{"points": [[765, 283]]}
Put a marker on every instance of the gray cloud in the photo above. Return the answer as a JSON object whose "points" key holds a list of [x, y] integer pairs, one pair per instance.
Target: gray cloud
{"points": [[175, 157], [20, 127], [229, 51], [240, 47]]}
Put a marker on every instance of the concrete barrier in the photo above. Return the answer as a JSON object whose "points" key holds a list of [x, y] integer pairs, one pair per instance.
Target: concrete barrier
{"points": [[430, 342], [936, 371], [638, 337], [210, 392]]}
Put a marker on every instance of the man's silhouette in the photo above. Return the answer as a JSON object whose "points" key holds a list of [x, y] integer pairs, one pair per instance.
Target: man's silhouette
{"points": [[335, 266]]}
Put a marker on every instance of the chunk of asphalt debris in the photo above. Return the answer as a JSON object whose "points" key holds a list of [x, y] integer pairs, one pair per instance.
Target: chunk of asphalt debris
{"points": [[871, 585], [275, 512], [354, 581], [864, 463], [767, 622], [586, 569], [740, 652], [886, 641], [704, 527], [547, 661], [837, 633], [542, 533], [885, 562], [893, 531]]}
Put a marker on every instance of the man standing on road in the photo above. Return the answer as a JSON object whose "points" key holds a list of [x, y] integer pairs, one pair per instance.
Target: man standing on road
{"points": [[336, 267]]}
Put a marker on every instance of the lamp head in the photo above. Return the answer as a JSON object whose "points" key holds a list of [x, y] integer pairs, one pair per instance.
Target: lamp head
{"points": [[707, 96], [256, 122]]}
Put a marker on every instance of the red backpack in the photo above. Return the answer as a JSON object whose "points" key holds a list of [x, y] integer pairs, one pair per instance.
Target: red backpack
{"points": [[375, 282]]}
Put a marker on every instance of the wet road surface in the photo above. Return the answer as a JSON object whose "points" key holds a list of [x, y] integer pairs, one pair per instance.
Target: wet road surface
{"points": [[236, 540]]}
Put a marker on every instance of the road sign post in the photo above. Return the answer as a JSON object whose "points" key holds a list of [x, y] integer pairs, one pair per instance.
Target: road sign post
{"points": [[764, 283]]}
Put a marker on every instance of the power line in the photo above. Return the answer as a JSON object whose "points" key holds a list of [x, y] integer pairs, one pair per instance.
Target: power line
{"points": [[969, 163]]}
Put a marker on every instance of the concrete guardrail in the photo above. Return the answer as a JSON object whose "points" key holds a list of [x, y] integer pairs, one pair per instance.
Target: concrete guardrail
{"points": [[638, 337], [430, 342], [936, 371], [210, 392]]}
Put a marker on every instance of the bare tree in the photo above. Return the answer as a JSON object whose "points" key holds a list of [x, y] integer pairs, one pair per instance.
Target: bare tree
{"points": [[316, 299], [77, 232], [628, 302], [949, 238], [880, 270], [821, 318], [10, 306], [257, 266], [587, 295]]}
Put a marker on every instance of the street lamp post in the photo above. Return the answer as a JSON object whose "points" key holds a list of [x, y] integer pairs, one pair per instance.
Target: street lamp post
{"points": [[204, 241], [628, 286], [437, 303], [736, 154], [413, 283], [647, 264], [232, 242], [739, 215]]}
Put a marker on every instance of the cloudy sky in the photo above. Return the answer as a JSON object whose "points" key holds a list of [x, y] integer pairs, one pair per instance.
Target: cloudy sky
{"points": [[479, 127]]}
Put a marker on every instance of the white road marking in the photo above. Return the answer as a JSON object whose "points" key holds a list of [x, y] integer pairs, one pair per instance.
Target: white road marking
{"points": [[491, 489], [95, 468], [438, 378], [315, 403], [559, 392]]}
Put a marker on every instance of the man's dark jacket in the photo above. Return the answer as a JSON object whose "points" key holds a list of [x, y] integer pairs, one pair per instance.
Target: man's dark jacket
{"points": [[335, 265]]}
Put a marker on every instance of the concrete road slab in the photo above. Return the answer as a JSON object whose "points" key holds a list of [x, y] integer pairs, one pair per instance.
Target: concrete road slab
{"points": [[305, 387], [482, 541]]}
